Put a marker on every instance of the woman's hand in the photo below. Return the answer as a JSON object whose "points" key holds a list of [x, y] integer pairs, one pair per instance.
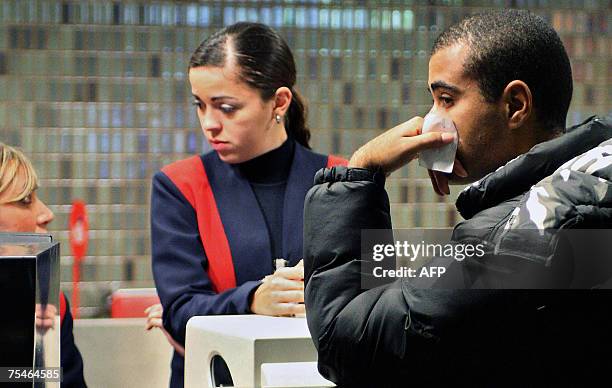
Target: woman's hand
{"points": [[154, 319], [398, 146], [282, 293], [45, 317], [154, 316]]}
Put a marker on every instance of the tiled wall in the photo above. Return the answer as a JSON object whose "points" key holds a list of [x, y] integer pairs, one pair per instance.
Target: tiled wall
{"points": [[96, 93]]}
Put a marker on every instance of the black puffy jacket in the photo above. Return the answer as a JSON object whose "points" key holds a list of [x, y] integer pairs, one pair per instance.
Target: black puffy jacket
{"points": [[399, 335]]}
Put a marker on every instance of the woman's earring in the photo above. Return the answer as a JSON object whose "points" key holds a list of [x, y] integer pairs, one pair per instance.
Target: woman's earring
{"points": [[278, 119]]}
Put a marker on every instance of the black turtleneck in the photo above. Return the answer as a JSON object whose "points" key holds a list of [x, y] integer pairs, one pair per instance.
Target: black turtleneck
{"points": [[268, 175]]}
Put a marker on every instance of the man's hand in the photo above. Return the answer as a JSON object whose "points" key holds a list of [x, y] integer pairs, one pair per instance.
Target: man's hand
{"points": [[398, 146]]}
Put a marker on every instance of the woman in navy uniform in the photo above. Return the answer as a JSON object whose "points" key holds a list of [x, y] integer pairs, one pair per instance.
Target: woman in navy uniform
{"points": [[220, 220]]}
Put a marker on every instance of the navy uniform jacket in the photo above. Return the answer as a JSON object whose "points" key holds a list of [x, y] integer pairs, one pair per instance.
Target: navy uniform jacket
{"points": [[71, 360], [188, 281]]}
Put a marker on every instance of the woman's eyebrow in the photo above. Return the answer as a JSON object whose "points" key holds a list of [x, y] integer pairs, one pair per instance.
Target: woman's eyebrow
{"points": [[215, 98]]}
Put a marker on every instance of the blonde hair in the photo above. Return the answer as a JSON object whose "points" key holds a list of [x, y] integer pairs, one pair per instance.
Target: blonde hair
{"points": [[12, 163]]}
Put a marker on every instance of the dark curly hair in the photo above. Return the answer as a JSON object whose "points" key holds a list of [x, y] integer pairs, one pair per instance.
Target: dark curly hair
{"points": [[512, 45]]}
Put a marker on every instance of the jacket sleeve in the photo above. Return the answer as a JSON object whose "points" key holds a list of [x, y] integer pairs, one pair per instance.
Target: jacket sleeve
{"points": [[346, 322], [180, 263], [390, 329]]}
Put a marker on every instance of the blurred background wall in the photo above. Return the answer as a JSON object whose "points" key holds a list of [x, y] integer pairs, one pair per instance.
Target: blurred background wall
{"points": [[96, 94]]}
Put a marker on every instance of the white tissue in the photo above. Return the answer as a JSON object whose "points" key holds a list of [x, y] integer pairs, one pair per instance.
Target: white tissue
{"points": [[442, 158]]}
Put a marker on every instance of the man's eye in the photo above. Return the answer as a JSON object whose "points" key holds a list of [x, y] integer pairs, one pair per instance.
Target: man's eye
{"points": [[197, 103], [226, 108], [446, 100]]}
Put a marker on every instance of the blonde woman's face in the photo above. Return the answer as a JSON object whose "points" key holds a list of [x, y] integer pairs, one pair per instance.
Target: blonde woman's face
{"points": [[28, 215]]}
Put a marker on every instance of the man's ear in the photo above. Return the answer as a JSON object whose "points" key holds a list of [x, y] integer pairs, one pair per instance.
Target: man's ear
{"points": [[282, 100], [518, 103]]}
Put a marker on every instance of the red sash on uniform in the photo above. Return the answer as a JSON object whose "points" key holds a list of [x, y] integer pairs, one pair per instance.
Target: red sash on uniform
{"points": [[62, 299], [190, 178], [333, 160]]}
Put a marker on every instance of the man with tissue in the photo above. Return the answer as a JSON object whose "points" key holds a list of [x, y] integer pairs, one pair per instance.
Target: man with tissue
{"points": [[501, 85]]}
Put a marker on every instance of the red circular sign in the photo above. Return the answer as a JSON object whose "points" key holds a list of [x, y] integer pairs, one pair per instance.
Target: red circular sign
{"points": [[79, 230]]}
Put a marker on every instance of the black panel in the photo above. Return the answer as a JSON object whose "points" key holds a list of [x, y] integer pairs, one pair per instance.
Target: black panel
{"points": [[17, 295]]}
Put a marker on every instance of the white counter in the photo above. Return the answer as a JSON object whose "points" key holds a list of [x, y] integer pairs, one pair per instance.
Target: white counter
{"points": [[245, 342]]}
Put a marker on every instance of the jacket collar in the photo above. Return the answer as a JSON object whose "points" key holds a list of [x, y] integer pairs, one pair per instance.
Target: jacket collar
{"points": [[519, 174]]}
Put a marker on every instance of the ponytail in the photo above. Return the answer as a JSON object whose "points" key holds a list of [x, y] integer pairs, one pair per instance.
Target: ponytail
{"points": [[295, 121]]}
